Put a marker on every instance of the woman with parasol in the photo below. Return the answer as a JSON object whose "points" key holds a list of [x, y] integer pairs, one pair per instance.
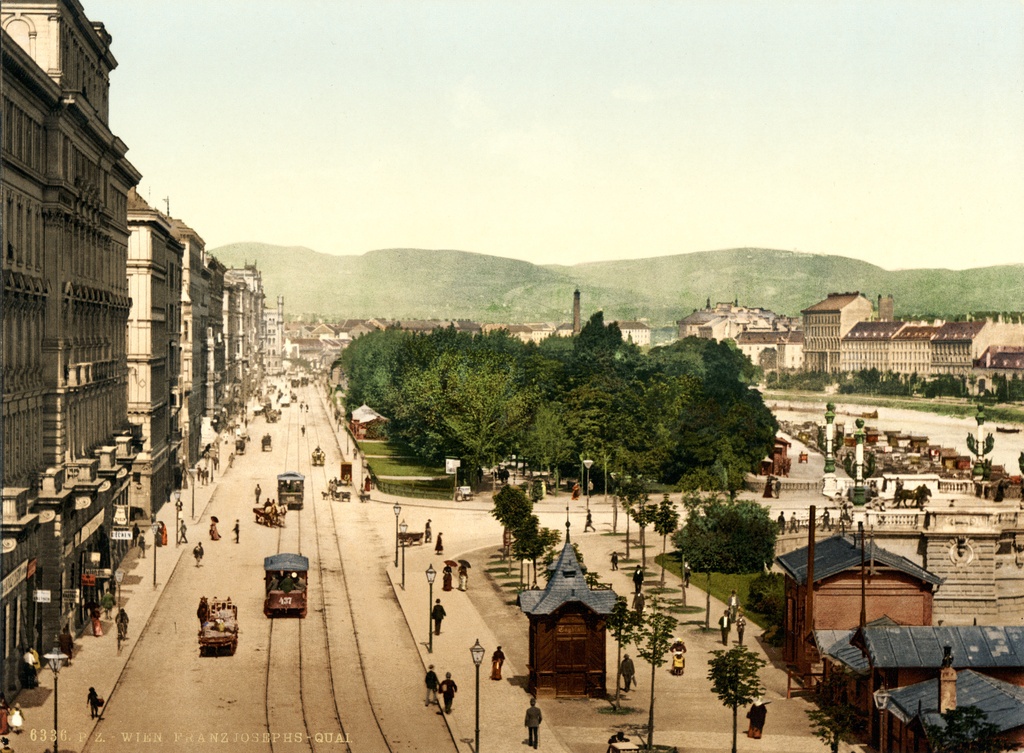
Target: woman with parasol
{"points": [[214, 534], [463, 574], [447, 574]]}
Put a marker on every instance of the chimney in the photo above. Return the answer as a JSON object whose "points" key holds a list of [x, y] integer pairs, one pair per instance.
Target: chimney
{"points": [[947, 682], [576, 312]]}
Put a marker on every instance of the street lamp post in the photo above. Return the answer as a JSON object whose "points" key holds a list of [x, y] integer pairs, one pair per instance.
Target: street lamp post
{"points": [[588, 462], [176, 496], [192, 483], [478, 656], [431, 574], [830, 417], [858, 483], [403, 527], [56, 660], [156, 532], [398, 511], [615, 503]]}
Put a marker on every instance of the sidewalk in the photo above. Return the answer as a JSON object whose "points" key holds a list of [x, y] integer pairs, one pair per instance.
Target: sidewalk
{"points": [[96, 662]]}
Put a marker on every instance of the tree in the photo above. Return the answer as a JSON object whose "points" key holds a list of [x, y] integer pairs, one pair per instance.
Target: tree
{"points": [[530, 542], [726, 536], [734, 679], [511, 508], [632, 493], [652, 644], [835, 716], [966, 729], [547, 442], [666, 521], [643, 513], [624, 625]]}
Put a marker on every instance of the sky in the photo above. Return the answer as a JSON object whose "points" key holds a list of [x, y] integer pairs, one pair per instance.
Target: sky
{"points": [[570, 132]]}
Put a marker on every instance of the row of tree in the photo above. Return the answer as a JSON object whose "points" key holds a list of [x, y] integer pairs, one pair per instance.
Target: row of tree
{"points": [[684, 414]]}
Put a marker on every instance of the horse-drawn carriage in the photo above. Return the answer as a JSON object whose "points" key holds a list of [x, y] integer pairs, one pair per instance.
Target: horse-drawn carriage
{"points": [[273, 415], [346, 474], [911, 497], [319, 457], [218, 627], [270, 514], [240, 446], [268, 443], [285, 584], [291, 490], [335, 492]]}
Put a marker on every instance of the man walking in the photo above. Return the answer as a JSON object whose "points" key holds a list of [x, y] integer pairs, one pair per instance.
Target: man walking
{"points": [[725, 625], [237, 529], [533, 719], [628, 672], [686, 574], [438, 614], [448, 689], [741, 625], [431, 683], [588, 527], [142, 545], [198, 553], [638, 579], [615, 560], [259, 493], [181, 533]]}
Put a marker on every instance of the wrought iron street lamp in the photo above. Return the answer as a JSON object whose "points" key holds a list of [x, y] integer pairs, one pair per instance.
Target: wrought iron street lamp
{"points": [[56, 660], [192, 482], [858, 484], [398, 511], [156, 532], [403, 527], [431, 574], [588, 462], [830, 433], [176, 496], [477, 652]]}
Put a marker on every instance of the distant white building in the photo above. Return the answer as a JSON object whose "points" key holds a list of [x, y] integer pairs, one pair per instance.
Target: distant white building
{"points": [[639, 333]]}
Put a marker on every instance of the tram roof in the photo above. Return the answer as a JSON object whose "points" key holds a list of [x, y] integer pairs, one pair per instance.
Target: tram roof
{"points": [[291, 476], [286, 562]]}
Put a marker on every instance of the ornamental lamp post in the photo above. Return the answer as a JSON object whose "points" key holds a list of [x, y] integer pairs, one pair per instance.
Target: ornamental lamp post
{"points": [[192, 483], [830, 429], [979, 466], [403, 527], [587, 463], [431, 574], [156, 532], [398, 511], [56, 660], [477, 652], [615, 503], [176, 496], [858, 485]]}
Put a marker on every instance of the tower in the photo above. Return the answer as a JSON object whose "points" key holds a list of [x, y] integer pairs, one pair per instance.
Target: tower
{"points": [[576, 312]]}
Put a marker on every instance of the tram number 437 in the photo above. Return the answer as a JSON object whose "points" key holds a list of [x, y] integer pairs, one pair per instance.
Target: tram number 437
{"points": [[286, 600]]}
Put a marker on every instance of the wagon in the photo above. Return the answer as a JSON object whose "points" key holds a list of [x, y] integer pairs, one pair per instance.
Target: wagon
{"points": [[219, 634]]}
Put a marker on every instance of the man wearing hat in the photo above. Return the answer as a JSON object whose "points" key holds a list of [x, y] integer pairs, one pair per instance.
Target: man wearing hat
{"points": [[431, 682]]}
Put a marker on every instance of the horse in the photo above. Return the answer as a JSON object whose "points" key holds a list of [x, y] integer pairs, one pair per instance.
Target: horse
{"points": [[919, 496]]}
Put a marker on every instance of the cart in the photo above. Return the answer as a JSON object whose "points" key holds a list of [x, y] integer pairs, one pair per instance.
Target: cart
{"points": [[219, 634], [346, 474], [319, 456], [240, 446], [268, 443]]}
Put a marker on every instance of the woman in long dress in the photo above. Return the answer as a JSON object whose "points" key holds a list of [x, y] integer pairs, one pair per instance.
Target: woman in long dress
{"points": [[214, 535], [447, 577], [97, 628], [439, 547], [463, 577], [497, 660]]}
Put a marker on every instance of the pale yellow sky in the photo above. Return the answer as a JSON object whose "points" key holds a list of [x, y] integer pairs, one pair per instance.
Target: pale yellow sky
{"points": [[889, 132]]}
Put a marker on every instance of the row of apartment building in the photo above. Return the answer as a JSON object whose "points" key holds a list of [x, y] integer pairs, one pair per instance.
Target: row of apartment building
{"points": [[122, 337]]}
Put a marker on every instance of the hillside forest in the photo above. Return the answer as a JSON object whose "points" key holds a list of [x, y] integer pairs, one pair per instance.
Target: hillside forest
{"points": [[682, 415]]}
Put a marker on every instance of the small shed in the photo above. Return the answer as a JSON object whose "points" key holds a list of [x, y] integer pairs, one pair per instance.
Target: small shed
{"points": [[567, 632], [367, 423]]}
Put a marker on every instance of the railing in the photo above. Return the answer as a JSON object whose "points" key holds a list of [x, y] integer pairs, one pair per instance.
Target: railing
{"points": [[403, 489], [956, 486]]}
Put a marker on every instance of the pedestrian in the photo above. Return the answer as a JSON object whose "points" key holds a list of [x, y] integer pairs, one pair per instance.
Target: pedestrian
{"points": [[724, 624], [734, 605], [97, 627], [142, 545], [95, 703], [182, 530], [303, 430], [757, 714], [463, 577], [214, 533], [17, 719], [438, 614], [678, 657], [163, 534], [638, 579], [533, 720], [639, 602], [29, 678], [5, 711], [122, 624], [741, 625], [427, 538], [782, 522], [237, 529], [686, 574], [826, 520], [66, 643], [439, 547], [259, 491], [777, 487], [615, 560], [497, 661], [198, 553], [431, 682], [618, 737], [448, 690], [446, 578], [628, 672], [135, 534], [203, 612], [588, 527]]}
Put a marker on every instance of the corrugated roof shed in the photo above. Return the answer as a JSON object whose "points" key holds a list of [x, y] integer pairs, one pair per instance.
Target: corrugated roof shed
{"points": [[974, 646], [567, 584], [1002, 702]]}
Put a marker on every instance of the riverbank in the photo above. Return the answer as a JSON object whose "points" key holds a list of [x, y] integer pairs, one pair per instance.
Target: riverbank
{"points": [[943, 406]]}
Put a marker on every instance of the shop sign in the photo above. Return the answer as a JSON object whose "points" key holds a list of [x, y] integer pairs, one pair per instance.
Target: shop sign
{"points": [[121, 534], [42, 596], [120, 515], [13, 578], [71, 596], [88, 580]]}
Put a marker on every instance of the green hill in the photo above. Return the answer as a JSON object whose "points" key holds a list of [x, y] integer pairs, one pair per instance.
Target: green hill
{"points": [[416, 283]]}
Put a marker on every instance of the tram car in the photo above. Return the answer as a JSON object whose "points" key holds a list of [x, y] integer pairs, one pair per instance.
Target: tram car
{"points": [[285, 583], [268, 443], [291, 490], [319, 457]]}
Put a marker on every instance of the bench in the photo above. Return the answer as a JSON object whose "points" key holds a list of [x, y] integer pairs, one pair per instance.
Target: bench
{"points": [[464, 494]]}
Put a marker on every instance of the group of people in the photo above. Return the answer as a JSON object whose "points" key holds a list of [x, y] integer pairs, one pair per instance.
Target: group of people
{"points": [[12, 719], [446, 576], [733, 615]]}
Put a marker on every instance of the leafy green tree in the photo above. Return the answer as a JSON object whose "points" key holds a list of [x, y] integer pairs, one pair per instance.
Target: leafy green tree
{"points": [[666, 521], [644, 513], [632, 493], [531, 542], [966, 729], [624, 624], [547, 442], [734, 679], [726, 536], [511, 508], [835, 717], [652, 643]]}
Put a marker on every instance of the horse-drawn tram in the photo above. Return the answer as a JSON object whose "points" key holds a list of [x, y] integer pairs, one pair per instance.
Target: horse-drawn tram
{"points": [[291, 490], [285, 582]]}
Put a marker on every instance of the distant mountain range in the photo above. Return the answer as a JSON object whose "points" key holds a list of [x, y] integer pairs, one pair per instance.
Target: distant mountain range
{"points": [[422, 284]]}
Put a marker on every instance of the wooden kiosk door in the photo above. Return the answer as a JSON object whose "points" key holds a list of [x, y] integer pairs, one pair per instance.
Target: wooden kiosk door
{"points": [[571, 656]]}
